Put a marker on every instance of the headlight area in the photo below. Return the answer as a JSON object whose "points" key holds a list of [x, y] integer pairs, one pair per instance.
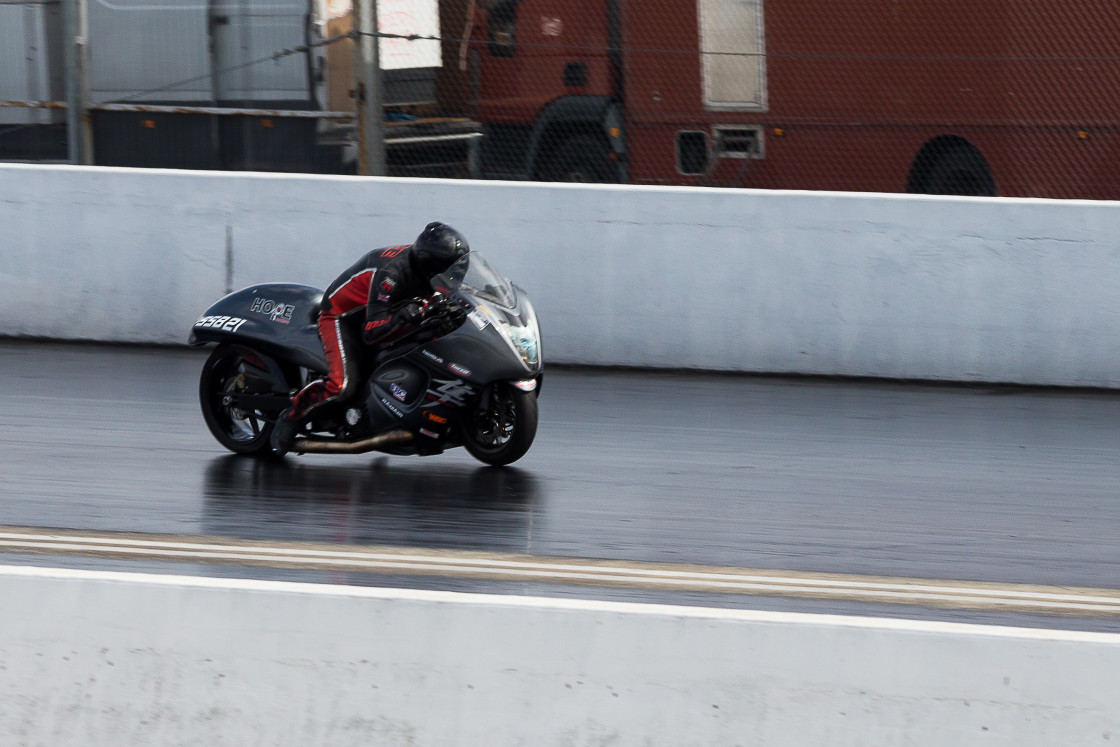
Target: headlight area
{"points": [[528, 321], [521, 332]]}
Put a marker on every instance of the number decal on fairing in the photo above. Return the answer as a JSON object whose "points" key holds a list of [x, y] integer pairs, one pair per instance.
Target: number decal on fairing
{"points": [[224, 323]]}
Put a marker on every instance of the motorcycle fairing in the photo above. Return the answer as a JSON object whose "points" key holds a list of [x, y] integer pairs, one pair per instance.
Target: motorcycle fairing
{"points": [[409, 393], [279, 318], [489, 355]]}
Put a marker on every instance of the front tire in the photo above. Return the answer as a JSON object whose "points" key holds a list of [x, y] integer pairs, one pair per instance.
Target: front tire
{"points": [[500, 432], [232, 369]]}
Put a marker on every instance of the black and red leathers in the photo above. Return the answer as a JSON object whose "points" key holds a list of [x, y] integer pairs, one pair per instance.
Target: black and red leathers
{"points": [[392, 286], [385, 286]]}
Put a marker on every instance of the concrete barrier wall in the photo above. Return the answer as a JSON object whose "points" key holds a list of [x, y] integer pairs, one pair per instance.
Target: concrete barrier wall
{"points": [[116, 659], [1024, 291]]}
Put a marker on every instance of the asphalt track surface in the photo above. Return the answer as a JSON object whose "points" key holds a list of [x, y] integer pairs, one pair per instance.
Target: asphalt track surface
{"points": [[992, 486]]}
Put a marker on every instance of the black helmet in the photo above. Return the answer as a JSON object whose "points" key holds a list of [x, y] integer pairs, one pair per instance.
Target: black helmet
{"points": [[436, 248]]}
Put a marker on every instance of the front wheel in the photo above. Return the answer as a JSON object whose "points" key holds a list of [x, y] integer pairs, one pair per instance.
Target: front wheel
{"points": [[500, 428], [233, 370]]}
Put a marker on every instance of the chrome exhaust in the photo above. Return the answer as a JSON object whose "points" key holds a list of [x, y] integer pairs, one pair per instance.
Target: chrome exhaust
{"points": [[322, 446]]}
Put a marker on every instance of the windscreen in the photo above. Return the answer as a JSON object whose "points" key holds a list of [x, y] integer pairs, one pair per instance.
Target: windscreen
{"points": [[474, 275]]}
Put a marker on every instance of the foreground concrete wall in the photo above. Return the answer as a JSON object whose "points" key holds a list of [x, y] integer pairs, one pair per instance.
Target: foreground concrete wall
{"points": [[112, 659], [1024, 291]]}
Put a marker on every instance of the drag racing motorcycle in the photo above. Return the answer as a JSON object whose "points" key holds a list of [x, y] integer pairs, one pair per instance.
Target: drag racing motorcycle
{"points": [[469, 375]]}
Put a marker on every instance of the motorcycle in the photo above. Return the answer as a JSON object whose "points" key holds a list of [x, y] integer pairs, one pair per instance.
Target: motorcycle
{"points": [[469, 375]]}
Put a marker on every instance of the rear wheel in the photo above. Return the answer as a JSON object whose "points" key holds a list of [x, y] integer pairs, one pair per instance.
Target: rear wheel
{"points": [[501, 427], [233, 370]]}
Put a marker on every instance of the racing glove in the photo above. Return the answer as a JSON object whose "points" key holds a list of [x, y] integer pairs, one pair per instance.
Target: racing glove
{"points": [[411, 314], [441, 305], [389, 326]]}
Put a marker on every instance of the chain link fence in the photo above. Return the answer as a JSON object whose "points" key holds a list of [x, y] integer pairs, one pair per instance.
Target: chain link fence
{"points": [[977, 97]]}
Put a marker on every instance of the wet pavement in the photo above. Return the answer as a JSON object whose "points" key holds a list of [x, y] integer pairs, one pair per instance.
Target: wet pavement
{"points": [[991, 484]]}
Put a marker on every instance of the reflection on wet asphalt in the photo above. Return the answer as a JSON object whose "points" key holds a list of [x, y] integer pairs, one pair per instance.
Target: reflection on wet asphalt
{"points": [[418, 504], [1006, 485]]}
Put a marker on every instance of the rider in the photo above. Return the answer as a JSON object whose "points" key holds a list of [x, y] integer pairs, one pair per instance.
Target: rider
{"points": [[392, 286]]}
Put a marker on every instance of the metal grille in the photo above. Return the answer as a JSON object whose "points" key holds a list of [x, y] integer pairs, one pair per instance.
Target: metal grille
{"points": [[977, 97]]}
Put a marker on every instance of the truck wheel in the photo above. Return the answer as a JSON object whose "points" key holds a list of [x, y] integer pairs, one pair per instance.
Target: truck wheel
{"points": [[582, 158], [960, 171]]}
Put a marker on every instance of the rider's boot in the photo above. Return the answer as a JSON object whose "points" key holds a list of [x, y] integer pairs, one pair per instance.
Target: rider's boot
{"points": [[284, 432]]}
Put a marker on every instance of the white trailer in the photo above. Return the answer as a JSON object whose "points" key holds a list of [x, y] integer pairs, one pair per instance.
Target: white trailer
{"points": [[165, 77]]}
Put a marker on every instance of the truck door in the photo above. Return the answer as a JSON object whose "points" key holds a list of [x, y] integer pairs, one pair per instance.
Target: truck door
{"points": [[534, 51], [545, 74]]}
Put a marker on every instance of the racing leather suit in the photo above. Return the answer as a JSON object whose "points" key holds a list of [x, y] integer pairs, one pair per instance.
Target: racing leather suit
{"points": [[385, 286]]}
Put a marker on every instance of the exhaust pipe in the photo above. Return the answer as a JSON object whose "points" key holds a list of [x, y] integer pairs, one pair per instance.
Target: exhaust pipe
{"points": [[322, 446]]}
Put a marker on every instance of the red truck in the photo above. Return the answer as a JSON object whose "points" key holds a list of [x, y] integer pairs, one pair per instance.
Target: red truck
{"points": [[971, 97]]}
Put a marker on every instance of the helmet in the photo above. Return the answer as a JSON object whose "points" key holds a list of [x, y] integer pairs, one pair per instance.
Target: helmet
{"points": [[436, 248]]}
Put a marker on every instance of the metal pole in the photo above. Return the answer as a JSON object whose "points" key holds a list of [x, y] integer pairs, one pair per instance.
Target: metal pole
{"points": [[371, 111], [79, 127]]}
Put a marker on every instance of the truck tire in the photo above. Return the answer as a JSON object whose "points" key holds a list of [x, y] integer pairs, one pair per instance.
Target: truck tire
{"points": [[960, 171], [582, 158]]}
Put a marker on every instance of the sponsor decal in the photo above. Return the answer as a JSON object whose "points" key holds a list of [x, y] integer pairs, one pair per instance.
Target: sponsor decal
{"points": [[443, 290], [277, 312], [398, 391], [224, 323], [385, 289], [429, 415], [551, 26], [431, 356], [459, 370], [390, 407], [428, 433], [375, 324], [392, 251], [451, 393]]}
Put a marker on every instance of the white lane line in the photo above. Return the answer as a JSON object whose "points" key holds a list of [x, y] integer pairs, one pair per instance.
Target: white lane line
{"points": [[556, 570]]}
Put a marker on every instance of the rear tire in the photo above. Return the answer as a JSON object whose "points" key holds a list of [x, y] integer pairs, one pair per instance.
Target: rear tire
{"points": [[501, 433], [233, 369]]}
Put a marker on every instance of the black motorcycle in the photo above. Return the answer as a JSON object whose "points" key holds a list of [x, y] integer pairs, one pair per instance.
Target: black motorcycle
{"points": [[469, 375]]}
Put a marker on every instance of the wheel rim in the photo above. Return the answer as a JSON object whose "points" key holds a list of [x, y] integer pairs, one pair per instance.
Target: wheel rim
{"points": [[493, 427], [240, 426]]}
